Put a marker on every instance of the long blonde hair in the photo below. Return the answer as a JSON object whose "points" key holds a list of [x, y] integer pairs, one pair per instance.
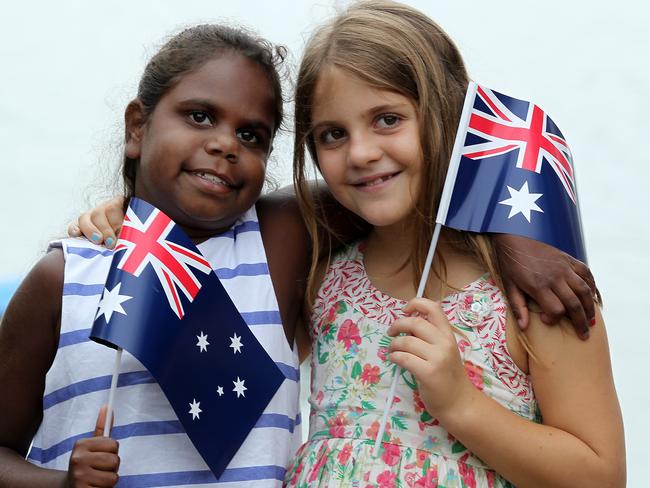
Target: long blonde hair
{"points": [[391, 47]]}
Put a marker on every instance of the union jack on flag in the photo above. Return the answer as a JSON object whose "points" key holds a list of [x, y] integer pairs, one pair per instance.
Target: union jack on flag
{"points": [[216, 375], [531, 133], [146, 244], [511, 171]]}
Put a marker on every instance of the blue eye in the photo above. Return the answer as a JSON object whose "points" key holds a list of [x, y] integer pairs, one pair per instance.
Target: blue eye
{"points": [[387, 121], [201, 118]]}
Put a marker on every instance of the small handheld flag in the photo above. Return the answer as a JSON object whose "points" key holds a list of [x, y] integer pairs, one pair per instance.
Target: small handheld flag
{"points": [[163, 303], [511, 172]]}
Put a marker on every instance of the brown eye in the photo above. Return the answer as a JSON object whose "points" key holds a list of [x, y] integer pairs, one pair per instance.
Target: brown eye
{"points": [[248, 136], [331, 135], [387, 121], [200, 118]]}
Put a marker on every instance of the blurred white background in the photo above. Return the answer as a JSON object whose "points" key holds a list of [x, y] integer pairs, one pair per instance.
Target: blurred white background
{"points": [[69, 68]]}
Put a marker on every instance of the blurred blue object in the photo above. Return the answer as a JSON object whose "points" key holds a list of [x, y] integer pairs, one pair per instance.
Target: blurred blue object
{"points": [[7, 288]]}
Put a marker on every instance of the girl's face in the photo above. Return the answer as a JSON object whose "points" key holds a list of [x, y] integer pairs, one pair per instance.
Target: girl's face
{"points": [[203, 149], [368, 147]]}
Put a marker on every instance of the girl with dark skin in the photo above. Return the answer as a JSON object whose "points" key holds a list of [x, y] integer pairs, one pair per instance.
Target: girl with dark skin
{"points": [[223, 110]]}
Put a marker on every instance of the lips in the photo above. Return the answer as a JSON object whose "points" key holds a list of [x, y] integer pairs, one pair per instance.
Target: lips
{"points": [[214, 178], [374, 180]]}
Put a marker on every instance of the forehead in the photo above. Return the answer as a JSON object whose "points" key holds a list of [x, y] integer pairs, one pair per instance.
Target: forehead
{"points": [[234, 83], [339, 92]]}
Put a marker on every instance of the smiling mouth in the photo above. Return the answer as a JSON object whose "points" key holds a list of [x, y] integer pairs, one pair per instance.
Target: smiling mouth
{"points": [[376, 181], [214, 179]]}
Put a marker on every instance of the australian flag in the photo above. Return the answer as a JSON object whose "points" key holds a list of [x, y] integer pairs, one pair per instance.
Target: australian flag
{"points": [[163, 303], [511, 172]]}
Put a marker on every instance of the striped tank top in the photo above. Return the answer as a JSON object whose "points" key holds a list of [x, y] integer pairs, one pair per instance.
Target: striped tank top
{"points": [[154, 449]]}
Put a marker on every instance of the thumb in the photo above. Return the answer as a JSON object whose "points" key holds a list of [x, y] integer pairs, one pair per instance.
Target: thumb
{"points": [[518, 305], [101, 421]]}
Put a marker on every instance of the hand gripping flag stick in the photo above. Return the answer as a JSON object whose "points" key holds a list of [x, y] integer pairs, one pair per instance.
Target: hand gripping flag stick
{"points": [[442, 213]]}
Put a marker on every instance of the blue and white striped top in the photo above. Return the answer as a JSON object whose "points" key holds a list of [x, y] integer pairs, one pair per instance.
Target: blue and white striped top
{"points": [[154, 449]]}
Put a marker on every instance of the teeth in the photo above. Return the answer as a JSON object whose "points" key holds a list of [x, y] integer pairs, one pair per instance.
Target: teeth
{"points": [[377, 181], [211, 178]]}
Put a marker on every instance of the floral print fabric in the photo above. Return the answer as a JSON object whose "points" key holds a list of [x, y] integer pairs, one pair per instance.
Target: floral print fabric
{"points": [[351, 377]]}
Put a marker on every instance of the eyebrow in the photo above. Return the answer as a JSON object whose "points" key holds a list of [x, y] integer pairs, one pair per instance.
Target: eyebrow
{"points": [[210, 106]]}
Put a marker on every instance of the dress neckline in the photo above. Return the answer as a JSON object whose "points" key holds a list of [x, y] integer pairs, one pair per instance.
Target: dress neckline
{"points": [[358, 256]]}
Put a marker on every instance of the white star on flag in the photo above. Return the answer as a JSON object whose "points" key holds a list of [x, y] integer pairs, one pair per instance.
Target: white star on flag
{"points": [[111, 302], [219, 390], [522, 201], [239, 387], [194, 409], [203, 342], [236, 344]]}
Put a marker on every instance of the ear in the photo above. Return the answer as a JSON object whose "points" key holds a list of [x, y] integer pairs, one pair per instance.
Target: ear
{"points": [[134, 123]]}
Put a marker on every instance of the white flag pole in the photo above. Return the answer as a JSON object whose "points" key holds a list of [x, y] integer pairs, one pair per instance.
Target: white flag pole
{"points": [[393, 384], [111, 393], [445, 198]]}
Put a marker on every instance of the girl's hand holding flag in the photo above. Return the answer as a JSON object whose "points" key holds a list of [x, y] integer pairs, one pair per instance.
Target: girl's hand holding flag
{"points": [[428, 350], [94, 460]]}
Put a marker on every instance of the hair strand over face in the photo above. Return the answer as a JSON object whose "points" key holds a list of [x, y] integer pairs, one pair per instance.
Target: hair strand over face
{"points": [[391, 47]]}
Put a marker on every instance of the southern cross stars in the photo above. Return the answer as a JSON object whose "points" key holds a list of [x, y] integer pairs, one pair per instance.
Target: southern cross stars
{"points": [[522, 201], [194, 409], [236, 344], [111, 302], [239, 387], [220, 390], [203, 342]]}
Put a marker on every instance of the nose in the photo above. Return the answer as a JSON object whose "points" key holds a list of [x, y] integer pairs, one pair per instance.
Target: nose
{"points": [[224, 142], [363, 149]]}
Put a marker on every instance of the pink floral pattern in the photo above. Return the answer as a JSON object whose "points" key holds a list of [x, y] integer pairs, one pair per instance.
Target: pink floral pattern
{"points": [[351, 377]]}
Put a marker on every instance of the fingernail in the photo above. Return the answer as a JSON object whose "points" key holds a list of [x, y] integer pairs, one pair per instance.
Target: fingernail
{"points": [[95, 237], [585, 334], [109, 242], [592, 322]]}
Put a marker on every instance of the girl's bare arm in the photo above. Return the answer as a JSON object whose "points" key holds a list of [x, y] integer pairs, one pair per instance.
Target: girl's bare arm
{"points": [[561, 285], [581, 442], [28, 341]]}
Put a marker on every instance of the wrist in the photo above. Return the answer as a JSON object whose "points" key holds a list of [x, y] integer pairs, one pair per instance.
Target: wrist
{"points": [[457, 412]]}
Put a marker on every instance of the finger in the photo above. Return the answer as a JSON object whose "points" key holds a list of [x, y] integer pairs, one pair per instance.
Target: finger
{"points": [[583, 271], [415, 326], [428, 309], [99, 218], [89, 229], [103, 479], [584, 293], [105, 461], [552, 309], [574, 309], [101, 421], [412, 345], [115, 218], [518, 304], [74, 230], [413, 364]]}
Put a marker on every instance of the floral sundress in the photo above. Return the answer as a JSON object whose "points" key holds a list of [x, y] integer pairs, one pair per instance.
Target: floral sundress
{"points": [[351, 378]]}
